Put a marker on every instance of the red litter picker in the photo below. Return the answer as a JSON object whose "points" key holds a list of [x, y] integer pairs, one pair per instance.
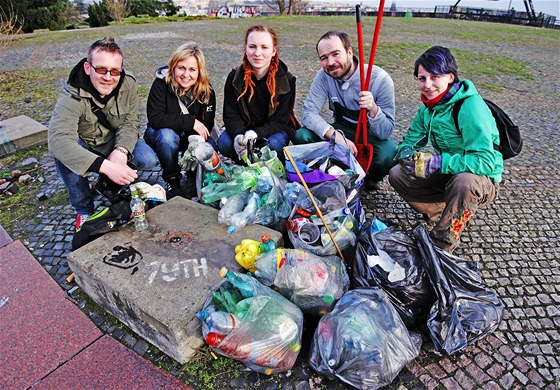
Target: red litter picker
{"points": [[365, 150]]}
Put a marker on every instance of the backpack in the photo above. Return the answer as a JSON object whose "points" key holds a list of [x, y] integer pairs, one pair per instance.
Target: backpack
{"points": [[510, 137], [107, 220]]}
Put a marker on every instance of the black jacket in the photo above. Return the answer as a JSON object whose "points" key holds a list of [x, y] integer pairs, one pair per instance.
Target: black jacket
{"points": [[258, 114], [164, 111]]}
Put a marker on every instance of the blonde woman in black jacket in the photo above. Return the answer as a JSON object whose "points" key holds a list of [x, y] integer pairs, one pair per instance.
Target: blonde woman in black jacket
{"points": [[181, 109]]}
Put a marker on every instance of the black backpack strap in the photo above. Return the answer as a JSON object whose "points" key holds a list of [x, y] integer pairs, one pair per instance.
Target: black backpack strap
{"points": [[455, 114], [100, 115]]}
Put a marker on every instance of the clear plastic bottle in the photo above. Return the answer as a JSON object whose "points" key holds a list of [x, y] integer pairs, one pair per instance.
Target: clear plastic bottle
{"points": [[267, 244], [247, 216], [219, 321], [232, 205], [331, 216], [137, 207]]}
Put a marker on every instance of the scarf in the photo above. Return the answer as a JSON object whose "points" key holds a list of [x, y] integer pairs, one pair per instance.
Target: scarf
{"points": [[444, 97]]}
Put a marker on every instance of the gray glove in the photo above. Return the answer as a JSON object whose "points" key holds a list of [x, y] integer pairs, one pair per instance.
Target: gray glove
{"points": [[240, 147], [189, 161]]}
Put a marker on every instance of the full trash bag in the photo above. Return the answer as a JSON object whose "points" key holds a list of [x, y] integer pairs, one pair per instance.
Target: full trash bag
{"points": [[266, 331], [390, 259], [313, 283], [324, 161], [467, 309], [363, 341]]}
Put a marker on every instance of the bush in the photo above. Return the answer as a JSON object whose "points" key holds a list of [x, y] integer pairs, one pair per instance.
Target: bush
{"points": [[99, 15]]}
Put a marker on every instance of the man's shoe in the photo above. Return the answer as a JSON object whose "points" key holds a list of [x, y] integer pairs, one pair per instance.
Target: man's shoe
{"points": [[372, 184], [80, 219]]}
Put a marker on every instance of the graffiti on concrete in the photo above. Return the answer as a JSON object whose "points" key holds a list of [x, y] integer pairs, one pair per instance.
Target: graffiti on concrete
{"points": [[234, 12], [124, 257], [182, 269]]}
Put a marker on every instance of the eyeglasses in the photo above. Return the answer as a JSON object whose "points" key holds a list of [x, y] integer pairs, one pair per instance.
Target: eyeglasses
{"points": [[103, 70]]}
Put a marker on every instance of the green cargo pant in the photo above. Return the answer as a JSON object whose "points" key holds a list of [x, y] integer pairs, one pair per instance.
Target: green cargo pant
{"points": [[451, 200]]}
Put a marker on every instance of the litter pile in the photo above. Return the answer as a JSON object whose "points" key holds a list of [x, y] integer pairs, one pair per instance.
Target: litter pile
{"points": [[372, 286]]}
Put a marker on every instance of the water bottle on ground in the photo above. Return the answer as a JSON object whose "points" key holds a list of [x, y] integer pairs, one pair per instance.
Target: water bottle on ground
{"points": [[138, 211], [233, 205]]}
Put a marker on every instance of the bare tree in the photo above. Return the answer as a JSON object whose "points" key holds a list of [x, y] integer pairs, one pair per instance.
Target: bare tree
{"points": [[10, 25], [119, 9], [287, 7]]}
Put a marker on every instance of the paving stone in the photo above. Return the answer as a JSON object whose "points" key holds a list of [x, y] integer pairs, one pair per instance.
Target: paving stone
{"points": [[477, 374], [496, 370], [507, 381], [520, 376]]}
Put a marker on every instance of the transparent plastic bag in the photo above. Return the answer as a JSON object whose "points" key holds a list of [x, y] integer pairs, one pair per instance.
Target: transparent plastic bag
{"points": [[267, 334], [274, 207], [324, 161], [313, 283], [467, 309], [363, 341], [391, 259]]}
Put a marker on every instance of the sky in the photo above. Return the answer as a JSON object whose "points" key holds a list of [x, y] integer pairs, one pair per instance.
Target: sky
{"points": [[551, 7]]}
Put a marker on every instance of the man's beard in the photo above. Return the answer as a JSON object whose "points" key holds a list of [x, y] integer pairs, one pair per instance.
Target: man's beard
{"points": [[344, 73]]}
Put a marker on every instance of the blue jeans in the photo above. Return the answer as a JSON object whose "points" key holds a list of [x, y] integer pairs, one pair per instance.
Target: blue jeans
{"points": [[166, 143], [79, 193], [276, 142]]}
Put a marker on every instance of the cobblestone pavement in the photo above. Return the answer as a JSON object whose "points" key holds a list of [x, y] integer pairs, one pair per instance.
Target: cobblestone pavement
{"points": [[515, 241]]}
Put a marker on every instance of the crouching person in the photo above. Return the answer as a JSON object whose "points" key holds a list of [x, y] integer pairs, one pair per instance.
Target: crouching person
{"points": [[94, 126], [463, 172]]}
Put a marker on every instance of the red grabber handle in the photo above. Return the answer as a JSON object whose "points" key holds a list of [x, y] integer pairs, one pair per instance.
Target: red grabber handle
{"points": [[374, 42], [362, 121]]}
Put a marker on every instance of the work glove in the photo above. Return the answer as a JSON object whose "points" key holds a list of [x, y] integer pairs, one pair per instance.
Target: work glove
{"points": [[189, 160], [240, 147], [249, 135], [424, 164], [404, 154]]}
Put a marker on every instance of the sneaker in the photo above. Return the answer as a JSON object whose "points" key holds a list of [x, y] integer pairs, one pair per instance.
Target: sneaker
{"points": [[371, 184], [80, 219]]}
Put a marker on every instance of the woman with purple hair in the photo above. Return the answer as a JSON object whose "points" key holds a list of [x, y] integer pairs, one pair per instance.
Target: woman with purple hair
{"points": [[447, 170]]}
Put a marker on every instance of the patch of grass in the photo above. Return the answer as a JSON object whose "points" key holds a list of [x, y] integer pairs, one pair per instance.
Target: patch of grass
{"points": [[201, 371], [24, 204], [30, 92]]}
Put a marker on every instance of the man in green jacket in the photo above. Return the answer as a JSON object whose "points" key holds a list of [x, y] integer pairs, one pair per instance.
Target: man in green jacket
{"points": [[94, 126], [447, 173]]}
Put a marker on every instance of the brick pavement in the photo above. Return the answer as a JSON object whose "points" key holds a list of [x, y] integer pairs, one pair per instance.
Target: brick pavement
{"points": [[515, 241]]}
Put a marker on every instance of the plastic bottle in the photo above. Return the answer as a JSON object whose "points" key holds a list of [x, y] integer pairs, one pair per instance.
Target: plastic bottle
{"points": [[247, 216], [233, 205], [137, 207], [267, 244], [216, 191], [266, 266], [207, 156], [242, 282], [219, 321], [331, 216], [221, 303], [296, 223]]}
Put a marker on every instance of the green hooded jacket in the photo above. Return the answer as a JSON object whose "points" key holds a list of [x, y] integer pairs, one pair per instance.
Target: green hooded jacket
{"points": [[471, 149]]}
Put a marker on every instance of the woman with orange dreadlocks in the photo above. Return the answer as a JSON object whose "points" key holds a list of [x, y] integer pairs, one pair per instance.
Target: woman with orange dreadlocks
{"points": [[259, 98]]}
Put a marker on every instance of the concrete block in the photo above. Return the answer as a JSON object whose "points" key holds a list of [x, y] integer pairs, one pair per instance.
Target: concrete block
{"points": [[156, 280], [19, 133]]}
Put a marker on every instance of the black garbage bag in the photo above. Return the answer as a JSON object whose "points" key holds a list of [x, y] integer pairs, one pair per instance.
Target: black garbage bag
{"points": [[390, 259], [107, 220], [363, 342], [467, 309]]}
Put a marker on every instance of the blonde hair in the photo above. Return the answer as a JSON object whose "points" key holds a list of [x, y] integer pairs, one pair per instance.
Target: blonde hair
{"points": [[248, 69], [201, 89]]}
